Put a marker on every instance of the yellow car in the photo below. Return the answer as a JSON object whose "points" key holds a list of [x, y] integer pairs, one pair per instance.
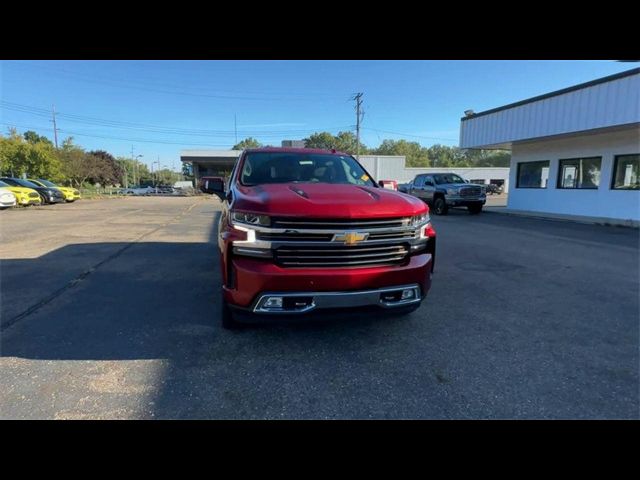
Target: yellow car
{"points": [[70, 194], [24, 196]]}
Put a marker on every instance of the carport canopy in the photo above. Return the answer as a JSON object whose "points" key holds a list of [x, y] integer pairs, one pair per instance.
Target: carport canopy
{"points": [[216, 163]]}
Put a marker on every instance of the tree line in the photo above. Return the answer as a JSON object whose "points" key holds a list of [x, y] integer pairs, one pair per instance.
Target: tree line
{"points": [[35, 156], [416, 155]]}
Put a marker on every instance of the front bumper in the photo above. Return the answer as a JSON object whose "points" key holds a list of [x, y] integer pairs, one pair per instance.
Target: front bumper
{"points": [[52, 199], [303, 302], [465, 201], [254, 277], [30, 201]]}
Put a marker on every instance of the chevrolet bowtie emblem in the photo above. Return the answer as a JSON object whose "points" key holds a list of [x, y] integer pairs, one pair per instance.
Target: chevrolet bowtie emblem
{"points": [[350, 238]]}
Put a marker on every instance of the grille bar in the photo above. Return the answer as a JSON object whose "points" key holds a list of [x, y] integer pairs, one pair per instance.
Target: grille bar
{"points": [[341, 256]]}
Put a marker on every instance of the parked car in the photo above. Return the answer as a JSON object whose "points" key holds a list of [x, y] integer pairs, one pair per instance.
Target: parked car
{"points": [[24, 196], [70, 194], [403, 187], [444, 190], [307, 229], [137, 190], [7, 198]]}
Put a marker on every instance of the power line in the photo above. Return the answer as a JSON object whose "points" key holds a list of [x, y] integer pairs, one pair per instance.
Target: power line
{"points": [[79, 134], [88, 120], [176, 91]]}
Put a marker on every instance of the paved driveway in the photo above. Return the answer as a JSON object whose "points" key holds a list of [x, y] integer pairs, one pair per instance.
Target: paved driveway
{"points": [[115, 316]]}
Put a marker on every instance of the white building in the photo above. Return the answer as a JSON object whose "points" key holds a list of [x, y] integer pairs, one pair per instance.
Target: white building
{"points": [[574, 152], [392, 167]]}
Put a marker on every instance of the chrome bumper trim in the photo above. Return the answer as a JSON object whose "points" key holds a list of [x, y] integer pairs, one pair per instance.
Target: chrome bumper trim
{"points": [[360, 298]]}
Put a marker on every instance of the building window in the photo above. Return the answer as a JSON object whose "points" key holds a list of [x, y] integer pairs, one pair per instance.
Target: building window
{"points": [[533, 174], [582, 173], [626, 172]]}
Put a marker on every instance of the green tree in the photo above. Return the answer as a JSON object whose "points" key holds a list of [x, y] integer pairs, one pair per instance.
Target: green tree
{"points": [[108, 171], [167, 177], [343, 142], [415, 154], [249, 142], [346, 142], [20, 157], [322, 140], [33, 138]]}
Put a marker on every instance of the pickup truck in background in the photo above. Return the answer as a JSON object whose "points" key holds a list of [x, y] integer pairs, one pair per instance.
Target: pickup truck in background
{"points": [[307, 229], [444, 190]]}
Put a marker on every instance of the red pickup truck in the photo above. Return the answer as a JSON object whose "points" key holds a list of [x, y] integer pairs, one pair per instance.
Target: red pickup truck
{"points": [[305, 229]]}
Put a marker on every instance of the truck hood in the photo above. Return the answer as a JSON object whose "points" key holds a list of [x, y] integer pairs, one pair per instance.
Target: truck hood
{"points": [[322, 200]]}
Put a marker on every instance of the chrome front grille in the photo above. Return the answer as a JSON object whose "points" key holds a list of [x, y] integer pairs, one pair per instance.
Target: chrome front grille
{"points": [[341, 256], [470, 191], [294, 236], [335, 224]]}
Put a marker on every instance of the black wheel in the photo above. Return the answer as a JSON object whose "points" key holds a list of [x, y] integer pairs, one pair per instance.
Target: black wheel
{"points": [[440, 206], [226, 315], [474, 209]]}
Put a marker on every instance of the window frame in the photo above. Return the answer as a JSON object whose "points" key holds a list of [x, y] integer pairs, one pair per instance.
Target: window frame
{"points": [[559, 175], [614, 171], [546, 187]]}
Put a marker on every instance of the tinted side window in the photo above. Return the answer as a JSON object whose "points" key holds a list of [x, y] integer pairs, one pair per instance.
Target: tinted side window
{"points": [[428, 181], [419, 181]]}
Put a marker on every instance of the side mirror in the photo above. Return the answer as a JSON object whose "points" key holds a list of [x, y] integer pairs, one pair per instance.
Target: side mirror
{"points": [[380, 183], [215, 187]]}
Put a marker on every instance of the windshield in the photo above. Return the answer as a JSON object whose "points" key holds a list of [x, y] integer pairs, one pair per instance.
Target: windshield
{"points": [[448, 178], [286, 167], [46, 183]]}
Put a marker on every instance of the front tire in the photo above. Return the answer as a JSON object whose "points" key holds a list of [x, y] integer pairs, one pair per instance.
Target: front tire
{"points": [[440, 206], [226, 315]]}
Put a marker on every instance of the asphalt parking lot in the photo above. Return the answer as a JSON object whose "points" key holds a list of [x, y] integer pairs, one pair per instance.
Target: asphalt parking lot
{"points": [[109, 310]]}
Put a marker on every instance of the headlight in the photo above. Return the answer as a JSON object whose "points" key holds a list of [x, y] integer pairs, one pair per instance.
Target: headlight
{"points": [[421, 219], [452, 191], [423, 222], [251, 219]]}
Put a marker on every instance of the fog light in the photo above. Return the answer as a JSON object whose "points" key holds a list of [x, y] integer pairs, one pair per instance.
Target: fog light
{"points": [[273, 302], [408, 293]]}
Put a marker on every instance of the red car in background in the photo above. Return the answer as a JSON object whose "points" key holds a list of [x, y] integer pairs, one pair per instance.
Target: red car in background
{"points": [[389, 184], [305, 229]]}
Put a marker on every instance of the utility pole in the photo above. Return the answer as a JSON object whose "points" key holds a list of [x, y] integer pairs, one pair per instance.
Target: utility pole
{"points": [[359, 116], [133, 165], [55, 128], [235, 126]]}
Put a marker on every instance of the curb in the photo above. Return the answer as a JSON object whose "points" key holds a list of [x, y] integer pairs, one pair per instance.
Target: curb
{"points": [[607, 222]]}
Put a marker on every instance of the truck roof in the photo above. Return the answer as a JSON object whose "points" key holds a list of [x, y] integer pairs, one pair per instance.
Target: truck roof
{"points": [[296, 150]]}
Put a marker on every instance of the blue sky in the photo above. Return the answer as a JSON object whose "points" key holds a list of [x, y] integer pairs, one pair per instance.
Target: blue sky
{"points": [[162, 107]]}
